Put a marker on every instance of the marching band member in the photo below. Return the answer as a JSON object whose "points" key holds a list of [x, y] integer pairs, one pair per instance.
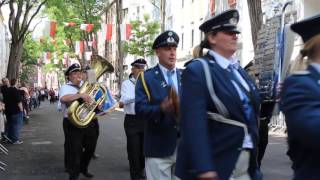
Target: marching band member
{"points": [[300, 102], [152, 102], [79, 142], [133, 124], [219, 109]]}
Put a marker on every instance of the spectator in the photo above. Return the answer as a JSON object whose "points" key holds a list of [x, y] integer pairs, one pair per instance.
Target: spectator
{"points": [[14, 113]]}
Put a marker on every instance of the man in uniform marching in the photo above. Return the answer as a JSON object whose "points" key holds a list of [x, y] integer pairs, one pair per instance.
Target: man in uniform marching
{"points": [[133, 124], [79, 142], [154, 104]]}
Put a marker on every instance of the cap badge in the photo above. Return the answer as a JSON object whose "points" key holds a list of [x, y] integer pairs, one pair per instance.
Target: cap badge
{"points": [[233, 21], [235, 14], [170, 40], [170, 33]]}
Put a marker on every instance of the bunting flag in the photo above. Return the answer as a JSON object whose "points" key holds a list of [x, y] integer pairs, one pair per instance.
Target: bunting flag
{"points": [[79, 47], [69, 24], [87, 27], [50, 28], [108, 31], [125, 31]]}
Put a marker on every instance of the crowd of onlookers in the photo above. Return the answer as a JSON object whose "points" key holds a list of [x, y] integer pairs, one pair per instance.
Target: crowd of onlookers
{"points": [[16, 101]]}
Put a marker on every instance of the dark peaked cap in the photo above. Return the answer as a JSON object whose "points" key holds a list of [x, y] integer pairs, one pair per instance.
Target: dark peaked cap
{"points": [[139, 63], [225, 21], [167, 38], [72, 68], [307, 28]]}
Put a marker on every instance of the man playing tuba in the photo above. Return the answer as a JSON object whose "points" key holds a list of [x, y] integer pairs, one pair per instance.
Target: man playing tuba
{"points": [[79, 142]]}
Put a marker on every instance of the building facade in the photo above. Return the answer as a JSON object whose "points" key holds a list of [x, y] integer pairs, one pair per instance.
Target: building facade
{"points": [[4, 46]]}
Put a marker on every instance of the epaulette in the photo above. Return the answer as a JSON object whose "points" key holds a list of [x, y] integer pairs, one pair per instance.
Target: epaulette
{"points": [[301, 73]]}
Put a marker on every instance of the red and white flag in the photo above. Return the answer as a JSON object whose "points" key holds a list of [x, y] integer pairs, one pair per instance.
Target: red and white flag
{"points": [[125, 31], [79, 47], [108, 31], [50, 28], [69, 24], [87, 27]]}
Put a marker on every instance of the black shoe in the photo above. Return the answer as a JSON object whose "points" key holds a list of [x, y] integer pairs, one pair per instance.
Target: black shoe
{"points": [[87, 174], [73, 177], [95, 156]]}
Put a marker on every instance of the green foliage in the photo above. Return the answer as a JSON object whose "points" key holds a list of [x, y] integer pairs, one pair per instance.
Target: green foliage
{"points": [[143, 34], [31, 52]]}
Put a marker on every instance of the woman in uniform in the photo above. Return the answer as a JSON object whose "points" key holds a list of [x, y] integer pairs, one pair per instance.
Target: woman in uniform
{"points": [[300, 102]]}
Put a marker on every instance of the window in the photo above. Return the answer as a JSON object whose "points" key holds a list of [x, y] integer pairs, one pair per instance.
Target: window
{"points": [[192, 37], [232, 3], [212, 7], [182, 38]]}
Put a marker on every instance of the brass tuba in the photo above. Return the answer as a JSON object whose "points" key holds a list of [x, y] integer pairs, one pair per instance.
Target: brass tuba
{"points": [[81, 113]]}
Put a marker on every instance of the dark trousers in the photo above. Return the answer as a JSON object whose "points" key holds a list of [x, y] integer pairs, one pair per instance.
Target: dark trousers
{"points": [[134, 128], [263, 139], [79, 146]]}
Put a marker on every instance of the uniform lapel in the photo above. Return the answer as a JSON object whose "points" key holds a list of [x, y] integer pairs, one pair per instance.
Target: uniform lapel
{"points": [[160, 79], [224, 76]]}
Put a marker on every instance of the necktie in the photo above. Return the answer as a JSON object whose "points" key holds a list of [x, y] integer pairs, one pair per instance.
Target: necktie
{"points": [[169, 75]]}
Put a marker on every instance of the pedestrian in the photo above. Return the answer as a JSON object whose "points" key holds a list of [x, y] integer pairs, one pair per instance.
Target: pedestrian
{"points": [[300, 103], [79, 142], [133, 124], [153, 103], [25, 101], [219, 109], [4, 87], [14, 112]]}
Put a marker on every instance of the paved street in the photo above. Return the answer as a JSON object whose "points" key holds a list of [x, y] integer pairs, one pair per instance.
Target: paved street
{"points": [[41, 155]]}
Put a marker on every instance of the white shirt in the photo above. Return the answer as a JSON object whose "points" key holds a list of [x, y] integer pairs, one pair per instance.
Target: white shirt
{"points": [[65, 90], [174, 76], [128, 95], [224, 63]]}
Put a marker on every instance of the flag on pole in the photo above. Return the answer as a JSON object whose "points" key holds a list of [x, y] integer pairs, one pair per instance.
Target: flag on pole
{"points": [[125, 31], [108, 31], [79, 47], [87, 27], [69, 24], [50, 28]]}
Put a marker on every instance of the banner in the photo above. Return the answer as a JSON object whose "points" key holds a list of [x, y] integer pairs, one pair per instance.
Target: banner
{"points": [[108, 30], [49, 29], [87, 27]]}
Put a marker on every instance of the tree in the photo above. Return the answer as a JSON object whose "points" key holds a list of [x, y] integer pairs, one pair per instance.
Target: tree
{"points": [[119, 55], [31, 52], [143, 34], [255, 13], [22, 13]]}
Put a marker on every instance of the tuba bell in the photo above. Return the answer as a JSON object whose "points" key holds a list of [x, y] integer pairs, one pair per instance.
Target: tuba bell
{"points": [[82, 113]]}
